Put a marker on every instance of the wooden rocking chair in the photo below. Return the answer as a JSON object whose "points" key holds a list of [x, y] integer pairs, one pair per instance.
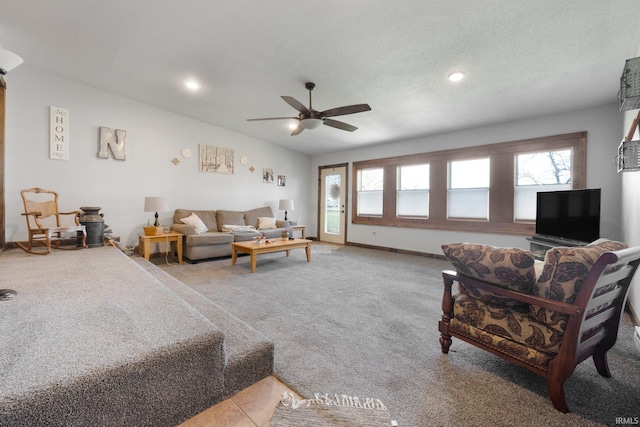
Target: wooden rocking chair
{"points": [[47, 226]]}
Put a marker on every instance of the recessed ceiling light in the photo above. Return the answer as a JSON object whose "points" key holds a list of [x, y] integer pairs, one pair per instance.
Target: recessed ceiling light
{"points": [[456, 76], [192, 84]]}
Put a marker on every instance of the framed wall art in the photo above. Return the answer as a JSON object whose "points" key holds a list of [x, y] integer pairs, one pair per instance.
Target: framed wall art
{"points": [[267, 175], [215, 159]]}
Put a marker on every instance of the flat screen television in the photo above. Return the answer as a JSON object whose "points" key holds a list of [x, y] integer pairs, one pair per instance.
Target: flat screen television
{"points": [[569, 214]]}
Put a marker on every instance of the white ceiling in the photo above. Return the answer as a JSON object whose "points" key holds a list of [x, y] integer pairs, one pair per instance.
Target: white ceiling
{"points": [[521, 59]]}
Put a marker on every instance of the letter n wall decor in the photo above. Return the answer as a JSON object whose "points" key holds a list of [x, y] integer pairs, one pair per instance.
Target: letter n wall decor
{"points": [[115, 143]]}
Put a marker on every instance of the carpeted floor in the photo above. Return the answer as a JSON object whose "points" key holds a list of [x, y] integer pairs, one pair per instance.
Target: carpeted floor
{"points": [[363, 322]]}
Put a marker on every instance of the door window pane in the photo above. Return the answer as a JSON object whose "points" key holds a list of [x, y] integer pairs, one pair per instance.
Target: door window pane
{"points": [[413, 191], [370, 187], [468, 192], [333, 204]]}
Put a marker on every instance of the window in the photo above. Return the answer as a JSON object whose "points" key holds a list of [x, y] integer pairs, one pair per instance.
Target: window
{"points": [[468, 192], [542, 171], [487, 188], [413, 191], [370, 186]]}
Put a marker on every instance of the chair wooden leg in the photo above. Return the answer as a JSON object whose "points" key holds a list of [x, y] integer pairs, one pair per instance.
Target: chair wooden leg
{"points": [[602, 364], [445, 342], [556, 393], [447, 314]]}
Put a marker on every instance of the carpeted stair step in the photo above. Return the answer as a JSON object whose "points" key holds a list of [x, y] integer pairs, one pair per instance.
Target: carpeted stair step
{"points": [[84, 342], [249, 354]]}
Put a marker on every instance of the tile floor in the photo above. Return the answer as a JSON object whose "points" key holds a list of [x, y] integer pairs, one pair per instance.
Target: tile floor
{"points": [[252, 407]]}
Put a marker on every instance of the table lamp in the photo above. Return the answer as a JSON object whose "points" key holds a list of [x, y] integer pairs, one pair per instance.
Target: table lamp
{"points": [[285, 205], [155, 204]]}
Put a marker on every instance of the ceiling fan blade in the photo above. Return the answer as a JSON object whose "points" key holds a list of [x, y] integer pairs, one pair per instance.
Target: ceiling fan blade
{"points": [[274, 118], [295, 104], [297, 130], [349, 109], [339, 125]]}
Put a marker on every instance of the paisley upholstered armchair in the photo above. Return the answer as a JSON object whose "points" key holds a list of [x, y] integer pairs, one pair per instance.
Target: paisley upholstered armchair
{"points": [[547, 317]]}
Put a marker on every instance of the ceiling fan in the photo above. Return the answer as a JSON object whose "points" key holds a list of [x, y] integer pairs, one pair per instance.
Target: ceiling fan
{"points": [[311, 119]]}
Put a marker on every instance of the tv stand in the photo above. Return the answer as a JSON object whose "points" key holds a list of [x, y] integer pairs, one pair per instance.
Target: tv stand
{"points": [[539, 244]]}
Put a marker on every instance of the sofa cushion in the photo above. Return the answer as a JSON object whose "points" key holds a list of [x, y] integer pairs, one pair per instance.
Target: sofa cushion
{"points": [[273, 233], [265, 223], [209, 238], [229, 218], [207, 216], [195, 221], [244, 236], [251, 216], [564, 271]]}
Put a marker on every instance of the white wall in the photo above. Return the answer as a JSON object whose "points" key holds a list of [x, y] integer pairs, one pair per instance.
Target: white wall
{"points": [[603, 136], [154, 138], [631, 212]]}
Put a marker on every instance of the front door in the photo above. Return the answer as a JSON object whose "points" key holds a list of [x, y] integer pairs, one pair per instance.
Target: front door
{"points": [[333, 203]]}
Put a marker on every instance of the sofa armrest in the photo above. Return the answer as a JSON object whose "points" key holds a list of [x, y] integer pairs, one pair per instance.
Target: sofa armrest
{"points": [[558, 306], [187, 230], [280, 223]]}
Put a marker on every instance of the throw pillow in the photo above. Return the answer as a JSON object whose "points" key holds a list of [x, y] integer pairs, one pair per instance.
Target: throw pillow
{"points": [[564, 272], [194, 221], [509, 268], [266, 223]]}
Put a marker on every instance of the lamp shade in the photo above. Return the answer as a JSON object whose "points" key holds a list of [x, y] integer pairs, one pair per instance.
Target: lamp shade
{"points": [[285, 205], [8, 61], [155, 204]]}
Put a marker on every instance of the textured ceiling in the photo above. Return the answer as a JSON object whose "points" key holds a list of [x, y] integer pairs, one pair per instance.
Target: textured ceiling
{"points": [[521, 59]]}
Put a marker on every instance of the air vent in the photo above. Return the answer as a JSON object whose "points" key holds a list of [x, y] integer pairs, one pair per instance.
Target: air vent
{"points": [[629, 156], [629, 94]]}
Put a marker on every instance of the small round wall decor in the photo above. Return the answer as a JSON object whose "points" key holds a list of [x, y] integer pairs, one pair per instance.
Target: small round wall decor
{"points": [[334, 191]]}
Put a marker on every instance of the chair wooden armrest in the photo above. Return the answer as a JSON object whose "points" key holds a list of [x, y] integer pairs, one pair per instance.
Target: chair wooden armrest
{"points": [[558, 306], [35, 214]]}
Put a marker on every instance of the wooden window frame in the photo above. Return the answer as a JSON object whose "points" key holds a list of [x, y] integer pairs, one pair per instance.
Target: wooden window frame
{"points": [[501, 188]]}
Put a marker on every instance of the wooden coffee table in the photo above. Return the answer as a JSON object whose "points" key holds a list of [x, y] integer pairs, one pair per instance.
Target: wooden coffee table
{"points": [[271, 245]]}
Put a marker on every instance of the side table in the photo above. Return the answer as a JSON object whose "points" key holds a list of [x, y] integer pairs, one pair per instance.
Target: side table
{"points": [[301, 228], [173, 240]]}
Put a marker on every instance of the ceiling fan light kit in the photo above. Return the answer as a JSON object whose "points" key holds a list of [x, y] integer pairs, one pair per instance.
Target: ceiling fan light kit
{"points": [[8, 61], [308, 118], [310, 123]]}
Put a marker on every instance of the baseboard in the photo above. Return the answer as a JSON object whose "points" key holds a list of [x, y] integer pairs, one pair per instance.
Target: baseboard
{"points": [[399, 251]]}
